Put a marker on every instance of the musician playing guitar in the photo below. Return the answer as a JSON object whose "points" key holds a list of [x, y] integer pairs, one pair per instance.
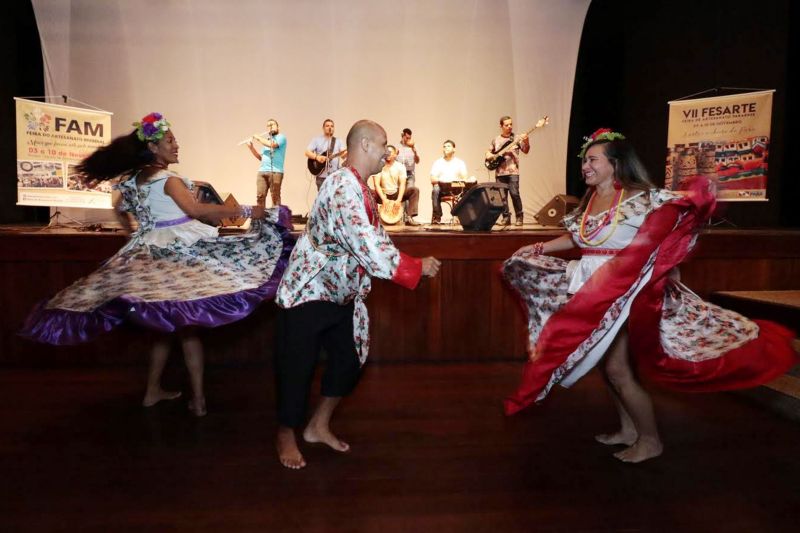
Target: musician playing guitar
{"points": [[325, 153], [504, 157]]}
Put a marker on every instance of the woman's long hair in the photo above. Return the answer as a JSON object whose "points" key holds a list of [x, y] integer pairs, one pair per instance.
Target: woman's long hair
{"points": [[124, 156], [628, 168]]}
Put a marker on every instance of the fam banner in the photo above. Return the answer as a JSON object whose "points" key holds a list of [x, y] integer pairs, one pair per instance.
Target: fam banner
{"points": [[725, 138], [51, 140]]}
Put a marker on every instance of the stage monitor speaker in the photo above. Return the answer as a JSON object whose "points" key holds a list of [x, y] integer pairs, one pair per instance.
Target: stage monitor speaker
{"points": [[479, 208], [205, 193], [552, 213]]}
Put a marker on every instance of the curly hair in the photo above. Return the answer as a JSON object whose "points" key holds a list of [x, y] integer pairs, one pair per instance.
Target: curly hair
{"points": [[123, 156]]}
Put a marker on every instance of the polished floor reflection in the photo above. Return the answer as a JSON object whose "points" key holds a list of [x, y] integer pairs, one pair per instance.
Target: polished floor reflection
{"points": [[431, 451]]}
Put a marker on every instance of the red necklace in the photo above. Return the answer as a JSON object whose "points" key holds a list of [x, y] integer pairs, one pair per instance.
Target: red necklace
{"points": [[369, 201], [611, 217]]}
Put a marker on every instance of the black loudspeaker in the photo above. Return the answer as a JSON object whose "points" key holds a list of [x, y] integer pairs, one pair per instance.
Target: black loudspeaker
{"points": [[479, 208], [552, 213]]}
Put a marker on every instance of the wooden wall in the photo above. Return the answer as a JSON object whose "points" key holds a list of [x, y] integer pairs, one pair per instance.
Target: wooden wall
{"points": [[465, 314]]}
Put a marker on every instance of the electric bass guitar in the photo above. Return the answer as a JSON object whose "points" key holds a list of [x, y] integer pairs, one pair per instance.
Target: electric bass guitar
{"points": [[497, 156], [316, 168]]}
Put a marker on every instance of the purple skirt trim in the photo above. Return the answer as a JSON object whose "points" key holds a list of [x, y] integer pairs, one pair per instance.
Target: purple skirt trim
{"points": [[64, 327], [173, 222]]}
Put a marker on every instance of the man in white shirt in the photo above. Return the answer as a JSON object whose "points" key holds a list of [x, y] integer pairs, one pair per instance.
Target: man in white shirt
{"points": [[390, 184], [446, 169]]}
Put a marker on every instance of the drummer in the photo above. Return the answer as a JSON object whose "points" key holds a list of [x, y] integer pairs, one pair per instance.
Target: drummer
{"points": [[446, 170], [390, 184]]}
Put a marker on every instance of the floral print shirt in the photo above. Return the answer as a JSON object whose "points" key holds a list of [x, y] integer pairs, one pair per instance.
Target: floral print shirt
{"points": [[343, 246]]}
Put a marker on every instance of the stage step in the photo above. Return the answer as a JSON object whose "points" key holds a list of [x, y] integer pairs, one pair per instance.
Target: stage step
{"points": [[789, 383], [783, 394], [782, 307]]}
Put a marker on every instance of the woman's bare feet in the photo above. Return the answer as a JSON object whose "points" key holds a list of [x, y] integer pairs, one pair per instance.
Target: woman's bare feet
{"points": [[152, 397], [197, 406], [323, 434], [645, 448], [620, 437], [288, 453]]}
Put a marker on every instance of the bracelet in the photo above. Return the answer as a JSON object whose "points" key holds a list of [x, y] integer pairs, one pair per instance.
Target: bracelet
{"points": [[538, 248], [246, 211]]}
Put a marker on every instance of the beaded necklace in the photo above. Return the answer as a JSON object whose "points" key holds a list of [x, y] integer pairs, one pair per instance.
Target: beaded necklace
{"points": [[612, 217]]}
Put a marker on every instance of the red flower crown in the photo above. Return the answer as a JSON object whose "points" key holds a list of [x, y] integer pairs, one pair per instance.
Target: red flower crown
{"points": [[152, 127], [603, 134]]}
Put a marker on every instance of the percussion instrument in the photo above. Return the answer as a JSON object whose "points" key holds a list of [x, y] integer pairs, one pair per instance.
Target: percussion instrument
{"points": [[455, 189], [391, 211]]}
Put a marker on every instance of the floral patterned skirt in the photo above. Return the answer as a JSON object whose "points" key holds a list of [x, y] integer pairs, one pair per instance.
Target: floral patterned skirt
{"points": [[212, 282], [675, 339], [694, 345]]}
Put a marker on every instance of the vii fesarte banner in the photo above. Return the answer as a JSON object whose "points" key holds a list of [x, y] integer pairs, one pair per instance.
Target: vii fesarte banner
{"points": [[51, 140], [725, 138]]}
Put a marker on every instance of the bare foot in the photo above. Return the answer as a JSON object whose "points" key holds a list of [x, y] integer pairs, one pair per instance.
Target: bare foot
{"points": [[644, 449], [323, 434], [620, 437], [288, 453], [153, 397], [197, 406]]}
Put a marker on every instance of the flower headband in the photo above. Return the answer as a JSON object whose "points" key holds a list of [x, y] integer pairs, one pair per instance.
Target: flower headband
{"points": [[603, 134], [152, 128]]}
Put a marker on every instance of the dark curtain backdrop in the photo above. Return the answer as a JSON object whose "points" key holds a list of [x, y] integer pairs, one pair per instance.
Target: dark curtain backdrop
{"points": [[636, 56], [22, 75]]}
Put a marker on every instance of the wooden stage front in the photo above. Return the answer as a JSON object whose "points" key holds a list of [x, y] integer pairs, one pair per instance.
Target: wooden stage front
{"points": [[465, 314]]}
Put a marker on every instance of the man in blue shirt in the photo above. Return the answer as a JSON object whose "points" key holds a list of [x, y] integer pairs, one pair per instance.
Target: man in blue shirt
{"points": [[272, 154]]}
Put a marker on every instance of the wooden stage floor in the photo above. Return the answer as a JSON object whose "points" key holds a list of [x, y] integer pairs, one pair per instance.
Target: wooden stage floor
{"points": [[431, 451]]}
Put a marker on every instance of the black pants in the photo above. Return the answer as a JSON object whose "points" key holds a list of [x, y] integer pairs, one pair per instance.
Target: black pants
{"points": [[302, 331], [410, 197], [513, 191]]}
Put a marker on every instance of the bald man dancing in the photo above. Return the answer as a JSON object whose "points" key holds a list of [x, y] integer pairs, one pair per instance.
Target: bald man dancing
{"points": [[323, 294]]}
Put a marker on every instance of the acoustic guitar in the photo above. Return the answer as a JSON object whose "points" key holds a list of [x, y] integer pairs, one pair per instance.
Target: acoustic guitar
{"points": [[316, 168], [497, 156]]}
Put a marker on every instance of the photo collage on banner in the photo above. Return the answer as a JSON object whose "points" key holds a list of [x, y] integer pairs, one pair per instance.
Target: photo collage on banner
{"points": [[725, 138]]}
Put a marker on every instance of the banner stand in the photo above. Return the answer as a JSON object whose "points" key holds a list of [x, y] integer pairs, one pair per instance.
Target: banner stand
{"points": [[716, 91], [55, 221], [715, 222]]}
